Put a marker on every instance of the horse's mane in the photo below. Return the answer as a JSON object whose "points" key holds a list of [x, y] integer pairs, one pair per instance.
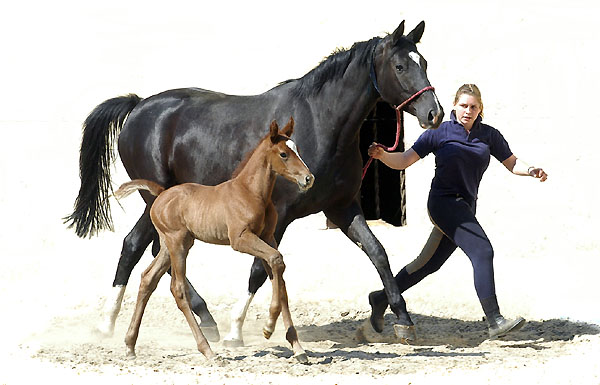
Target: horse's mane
{"points": [[333, 67], [249, 154]]}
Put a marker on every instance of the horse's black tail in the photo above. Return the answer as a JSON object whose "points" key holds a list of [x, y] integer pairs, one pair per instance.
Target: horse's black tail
{"points": [[92, 209]]}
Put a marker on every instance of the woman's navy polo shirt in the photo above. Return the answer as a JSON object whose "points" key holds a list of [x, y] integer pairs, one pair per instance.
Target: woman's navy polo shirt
{"points": [[461, 158]]}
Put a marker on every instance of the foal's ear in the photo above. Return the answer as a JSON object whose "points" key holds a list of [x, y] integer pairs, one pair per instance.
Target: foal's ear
{"points": [[274, 131], [416, 34], [289, 128], [397, 34]]}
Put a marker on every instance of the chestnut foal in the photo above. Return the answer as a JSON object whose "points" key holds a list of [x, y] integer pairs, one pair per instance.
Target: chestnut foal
{"points": [[238, 212]]}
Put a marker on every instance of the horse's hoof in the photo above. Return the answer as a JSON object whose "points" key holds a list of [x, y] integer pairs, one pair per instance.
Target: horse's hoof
{"points": [[377, 312], [130, 354], [211, 333], [233, 343], [301, 358], [406, 334], [267, 333]]}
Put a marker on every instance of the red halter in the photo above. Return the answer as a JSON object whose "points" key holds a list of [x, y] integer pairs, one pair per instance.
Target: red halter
{"points": [[399, 125]]}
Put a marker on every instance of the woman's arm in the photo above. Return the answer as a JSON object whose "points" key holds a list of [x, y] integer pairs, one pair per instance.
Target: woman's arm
{"points": [[518, 167], [395, 160]]}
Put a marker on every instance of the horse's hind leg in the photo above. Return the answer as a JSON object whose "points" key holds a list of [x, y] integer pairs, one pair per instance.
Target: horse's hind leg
{"points": [[179, 289], [134, 245], [148, 283]]}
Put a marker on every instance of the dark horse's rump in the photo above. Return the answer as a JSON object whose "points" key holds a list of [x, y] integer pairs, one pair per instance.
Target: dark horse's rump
{"points": [[195, 135]]}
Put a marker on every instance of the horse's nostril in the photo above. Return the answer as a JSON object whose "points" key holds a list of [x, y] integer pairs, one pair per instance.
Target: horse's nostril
{"points": [[431, 116]]}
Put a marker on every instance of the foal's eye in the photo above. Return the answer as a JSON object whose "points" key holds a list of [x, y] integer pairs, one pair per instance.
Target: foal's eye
{"points": [[400, 68], [283, 155]]}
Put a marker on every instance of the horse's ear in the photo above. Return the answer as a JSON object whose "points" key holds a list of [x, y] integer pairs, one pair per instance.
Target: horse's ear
{"points": [[274, 131], [416, 34], [289, 128], [397, 34]]}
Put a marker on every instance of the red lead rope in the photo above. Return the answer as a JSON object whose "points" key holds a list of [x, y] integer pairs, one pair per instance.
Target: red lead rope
{"points": [[399, 125]]}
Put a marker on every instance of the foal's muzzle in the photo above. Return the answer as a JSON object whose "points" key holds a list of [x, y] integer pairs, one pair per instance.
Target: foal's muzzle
{"points": [[306, 182]]}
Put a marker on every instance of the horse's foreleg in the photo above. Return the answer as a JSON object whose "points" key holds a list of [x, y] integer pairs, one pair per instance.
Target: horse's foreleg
{"points": [[134, 245], [352, 222], [148, 283]]}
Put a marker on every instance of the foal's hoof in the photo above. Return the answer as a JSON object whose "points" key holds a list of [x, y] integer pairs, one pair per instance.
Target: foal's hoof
{"points": [[218, 361], [130, 355], [301, 358], [406, 334], [233, 343], [267, 333], [211, 333]]}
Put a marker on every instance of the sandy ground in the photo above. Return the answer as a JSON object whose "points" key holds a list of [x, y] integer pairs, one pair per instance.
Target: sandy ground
{"points": [[535, 64]]}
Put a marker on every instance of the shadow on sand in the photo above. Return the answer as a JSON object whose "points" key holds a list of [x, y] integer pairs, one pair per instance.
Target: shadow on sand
{"points": [[450, 332]]}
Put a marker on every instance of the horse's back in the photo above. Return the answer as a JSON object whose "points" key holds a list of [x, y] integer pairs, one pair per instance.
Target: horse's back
{"points": [[168, 135]]}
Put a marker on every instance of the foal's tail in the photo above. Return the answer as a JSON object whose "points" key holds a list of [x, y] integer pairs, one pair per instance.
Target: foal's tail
{"points": [[92, 209], [128, 188]]}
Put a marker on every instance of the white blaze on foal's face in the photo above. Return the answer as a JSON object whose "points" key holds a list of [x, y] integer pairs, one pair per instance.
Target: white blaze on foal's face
{"points": [[290, 143]]}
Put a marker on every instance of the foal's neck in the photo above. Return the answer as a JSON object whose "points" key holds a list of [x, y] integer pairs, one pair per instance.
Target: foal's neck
{"points": [[257, 175]]}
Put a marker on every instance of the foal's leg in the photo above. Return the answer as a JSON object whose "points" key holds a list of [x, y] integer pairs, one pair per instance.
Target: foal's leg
{"points": [[258, 276], [207, 323], [179, 288], [251, 244], [149, 281], [291, 335]]}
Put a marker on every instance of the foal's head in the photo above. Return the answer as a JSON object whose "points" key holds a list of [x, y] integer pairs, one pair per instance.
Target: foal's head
{"points": [[284, 157]]}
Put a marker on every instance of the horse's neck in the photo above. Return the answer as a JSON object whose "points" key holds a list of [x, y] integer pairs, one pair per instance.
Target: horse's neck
{"points": [[346, 102], [257, 175]]}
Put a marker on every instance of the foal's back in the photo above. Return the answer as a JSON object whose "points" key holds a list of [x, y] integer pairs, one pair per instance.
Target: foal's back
{"points": [[204, 212]]}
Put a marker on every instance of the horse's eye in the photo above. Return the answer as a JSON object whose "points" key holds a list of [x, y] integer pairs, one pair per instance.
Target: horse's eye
{"points": [[283, 155], [400, 68]]}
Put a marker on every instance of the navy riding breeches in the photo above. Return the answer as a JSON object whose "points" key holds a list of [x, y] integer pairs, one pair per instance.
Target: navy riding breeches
{"points": [[455, 226]]}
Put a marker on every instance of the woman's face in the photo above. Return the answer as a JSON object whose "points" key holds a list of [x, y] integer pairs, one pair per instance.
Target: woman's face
{"points": [[467, 110]]}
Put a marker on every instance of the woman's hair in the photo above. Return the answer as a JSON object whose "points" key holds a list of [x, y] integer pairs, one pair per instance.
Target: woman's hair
{"points": [[473, 90]]}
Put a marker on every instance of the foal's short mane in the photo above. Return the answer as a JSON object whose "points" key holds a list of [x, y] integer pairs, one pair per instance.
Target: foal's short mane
{"points": [[249, 154], [333, 67]]}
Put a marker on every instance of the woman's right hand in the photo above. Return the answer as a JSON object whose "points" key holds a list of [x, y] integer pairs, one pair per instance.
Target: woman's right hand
{"points": [[375, 151]]}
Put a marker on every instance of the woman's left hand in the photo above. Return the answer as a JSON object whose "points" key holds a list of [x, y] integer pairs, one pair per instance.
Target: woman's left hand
{"points": [[539, 173]]}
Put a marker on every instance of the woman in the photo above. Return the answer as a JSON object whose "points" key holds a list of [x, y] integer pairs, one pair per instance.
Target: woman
{"points": [[462, 148]]}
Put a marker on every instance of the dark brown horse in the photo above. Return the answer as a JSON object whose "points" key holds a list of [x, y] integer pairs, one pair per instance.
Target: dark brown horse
{"points": [[195, 135], [238, 212]]}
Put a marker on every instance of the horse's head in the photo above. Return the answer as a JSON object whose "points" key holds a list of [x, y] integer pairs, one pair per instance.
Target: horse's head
{"points": [[399, 71], [284, 156]]}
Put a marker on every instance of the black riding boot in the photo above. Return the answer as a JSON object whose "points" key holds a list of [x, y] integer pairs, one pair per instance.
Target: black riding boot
{"points": [[498, 325]]}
